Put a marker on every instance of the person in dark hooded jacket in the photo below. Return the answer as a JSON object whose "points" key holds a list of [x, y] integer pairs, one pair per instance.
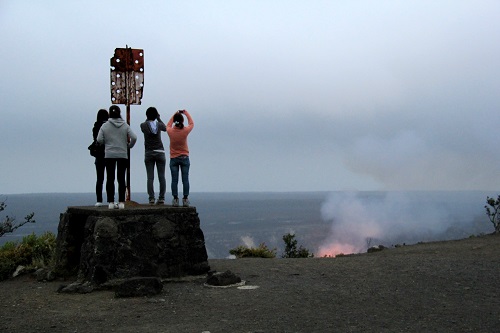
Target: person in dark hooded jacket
{"points": [[100, 166], [116, 136], [154, 153]]}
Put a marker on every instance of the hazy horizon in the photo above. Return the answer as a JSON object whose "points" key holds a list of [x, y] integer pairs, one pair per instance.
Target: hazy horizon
{"points": [[326, 223]]}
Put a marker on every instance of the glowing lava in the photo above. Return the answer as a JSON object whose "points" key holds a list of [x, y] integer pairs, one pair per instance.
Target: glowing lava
{"points": [[334, 249]]}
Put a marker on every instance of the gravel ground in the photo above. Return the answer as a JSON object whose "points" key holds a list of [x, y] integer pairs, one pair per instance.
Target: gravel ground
{"points": [[448, 286]]}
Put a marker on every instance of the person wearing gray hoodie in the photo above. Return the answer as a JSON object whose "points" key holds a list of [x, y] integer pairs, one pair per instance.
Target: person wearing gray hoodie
{"points": [[116, 136]]}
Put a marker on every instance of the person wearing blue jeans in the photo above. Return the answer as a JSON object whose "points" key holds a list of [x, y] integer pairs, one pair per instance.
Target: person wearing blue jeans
{"points": [[154, 154], [179, 154]]}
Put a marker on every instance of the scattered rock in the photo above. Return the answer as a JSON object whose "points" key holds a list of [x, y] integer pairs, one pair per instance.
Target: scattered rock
{"points": [[76, 288], [19, 270], [44, 274], [222, 279], [376, 248], [139, 286]]}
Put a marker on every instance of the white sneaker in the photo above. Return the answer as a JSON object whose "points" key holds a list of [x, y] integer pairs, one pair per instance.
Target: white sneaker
{"points": [[99, 204], [113, 205], [121, 205]]}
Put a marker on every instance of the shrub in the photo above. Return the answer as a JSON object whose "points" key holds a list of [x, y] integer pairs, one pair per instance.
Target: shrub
{"points": [[8, 225], [291, 250], [7, 267], [262, 251], [493, 212], [33, 252]]}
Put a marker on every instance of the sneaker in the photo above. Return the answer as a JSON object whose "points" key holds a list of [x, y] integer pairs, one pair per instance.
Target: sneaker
{"points": [[175, 202], [160, 202], [151, 201], [185, 202], [99, 204], [112, 205], [121, 205]]}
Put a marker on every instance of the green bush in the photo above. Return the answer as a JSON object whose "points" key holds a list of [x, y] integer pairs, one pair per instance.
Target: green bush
{"points": [[33, 251], [291, 250], [262, 251], [7, 267]]}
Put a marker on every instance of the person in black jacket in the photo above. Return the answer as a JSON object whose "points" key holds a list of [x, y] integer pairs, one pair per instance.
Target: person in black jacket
{"points": [[100, 165]]}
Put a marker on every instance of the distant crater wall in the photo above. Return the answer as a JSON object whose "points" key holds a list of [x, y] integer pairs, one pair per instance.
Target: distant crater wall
{"points": [[99, 244]]}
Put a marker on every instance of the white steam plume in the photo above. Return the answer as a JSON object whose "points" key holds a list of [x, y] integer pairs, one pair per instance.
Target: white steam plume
{"points": [[248, 241], [358, 217]]}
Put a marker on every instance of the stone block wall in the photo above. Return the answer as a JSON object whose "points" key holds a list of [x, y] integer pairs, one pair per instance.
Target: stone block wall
{"points": [[99, 244]]}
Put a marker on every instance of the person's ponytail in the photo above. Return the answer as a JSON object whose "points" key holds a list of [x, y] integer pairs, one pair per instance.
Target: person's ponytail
{"points": [[179, 120]]}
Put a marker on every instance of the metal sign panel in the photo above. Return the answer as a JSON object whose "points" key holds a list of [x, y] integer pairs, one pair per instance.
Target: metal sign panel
{"points": [[127, 76]]}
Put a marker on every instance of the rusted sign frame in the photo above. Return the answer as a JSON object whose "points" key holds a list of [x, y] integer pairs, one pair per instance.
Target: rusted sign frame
{"points": [[127, 76], [127, 84]]}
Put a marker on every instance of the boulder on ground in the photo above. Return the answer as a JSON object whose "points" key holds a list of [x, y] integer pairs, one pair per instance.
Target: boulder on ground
{"points": [[139, 286], [223, 279]]}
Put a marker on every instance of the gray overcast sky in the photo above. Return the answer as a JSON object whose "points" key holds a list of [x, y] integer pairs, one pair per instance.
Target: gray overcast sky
{"points": [[286, 95]]}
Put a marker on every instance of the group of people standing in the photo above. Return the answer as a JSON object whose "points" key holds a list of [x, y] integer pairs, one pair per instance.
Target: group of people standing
{"points": [[115, 137]]}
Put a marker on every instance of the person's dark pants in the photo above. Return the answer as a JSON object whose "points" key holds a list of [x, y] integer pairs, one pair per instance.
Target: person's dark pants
{"points": [[120, 165], [152, 158], [100, 166]]}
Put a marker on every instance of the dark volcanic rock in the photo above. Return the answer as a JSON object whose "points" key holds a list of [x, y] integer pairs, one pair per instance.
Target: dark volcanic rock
{"points": [[76, 288], [223, 279], [100, 244], [375, 248], [136, 287]]}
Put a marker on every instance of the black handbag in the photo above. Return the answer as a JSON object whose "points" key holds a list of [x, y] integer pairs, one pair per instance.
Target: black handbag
{"points": [[95, 148]]}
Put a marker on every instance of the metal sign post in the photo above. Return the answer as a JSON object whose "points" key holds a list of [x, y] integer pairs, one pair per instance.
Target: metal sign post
{"points": [[127, 83]]}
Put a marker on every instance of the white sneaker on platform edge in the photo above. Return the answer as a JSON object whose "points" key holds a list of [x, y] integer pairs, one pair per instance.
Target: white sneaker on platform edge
{"points": [[99, 204], [113, 205], [121, 205]]}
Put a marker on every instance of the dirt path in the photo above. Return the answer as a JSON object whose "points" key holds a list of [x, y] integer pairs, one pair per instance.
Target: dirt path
{"points": [[433, 287]]}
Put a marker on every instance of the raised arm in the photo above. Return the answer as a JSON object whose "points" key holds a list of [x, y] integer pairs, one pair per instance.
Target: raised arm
{"points": [[170, 122], [161, 125], [189, 118]]}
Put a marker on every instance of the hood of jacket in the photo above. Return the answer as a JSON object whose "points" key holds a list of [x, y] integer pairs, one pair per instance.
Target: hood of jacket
{"points": [[117, 122], [153, 126]]}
